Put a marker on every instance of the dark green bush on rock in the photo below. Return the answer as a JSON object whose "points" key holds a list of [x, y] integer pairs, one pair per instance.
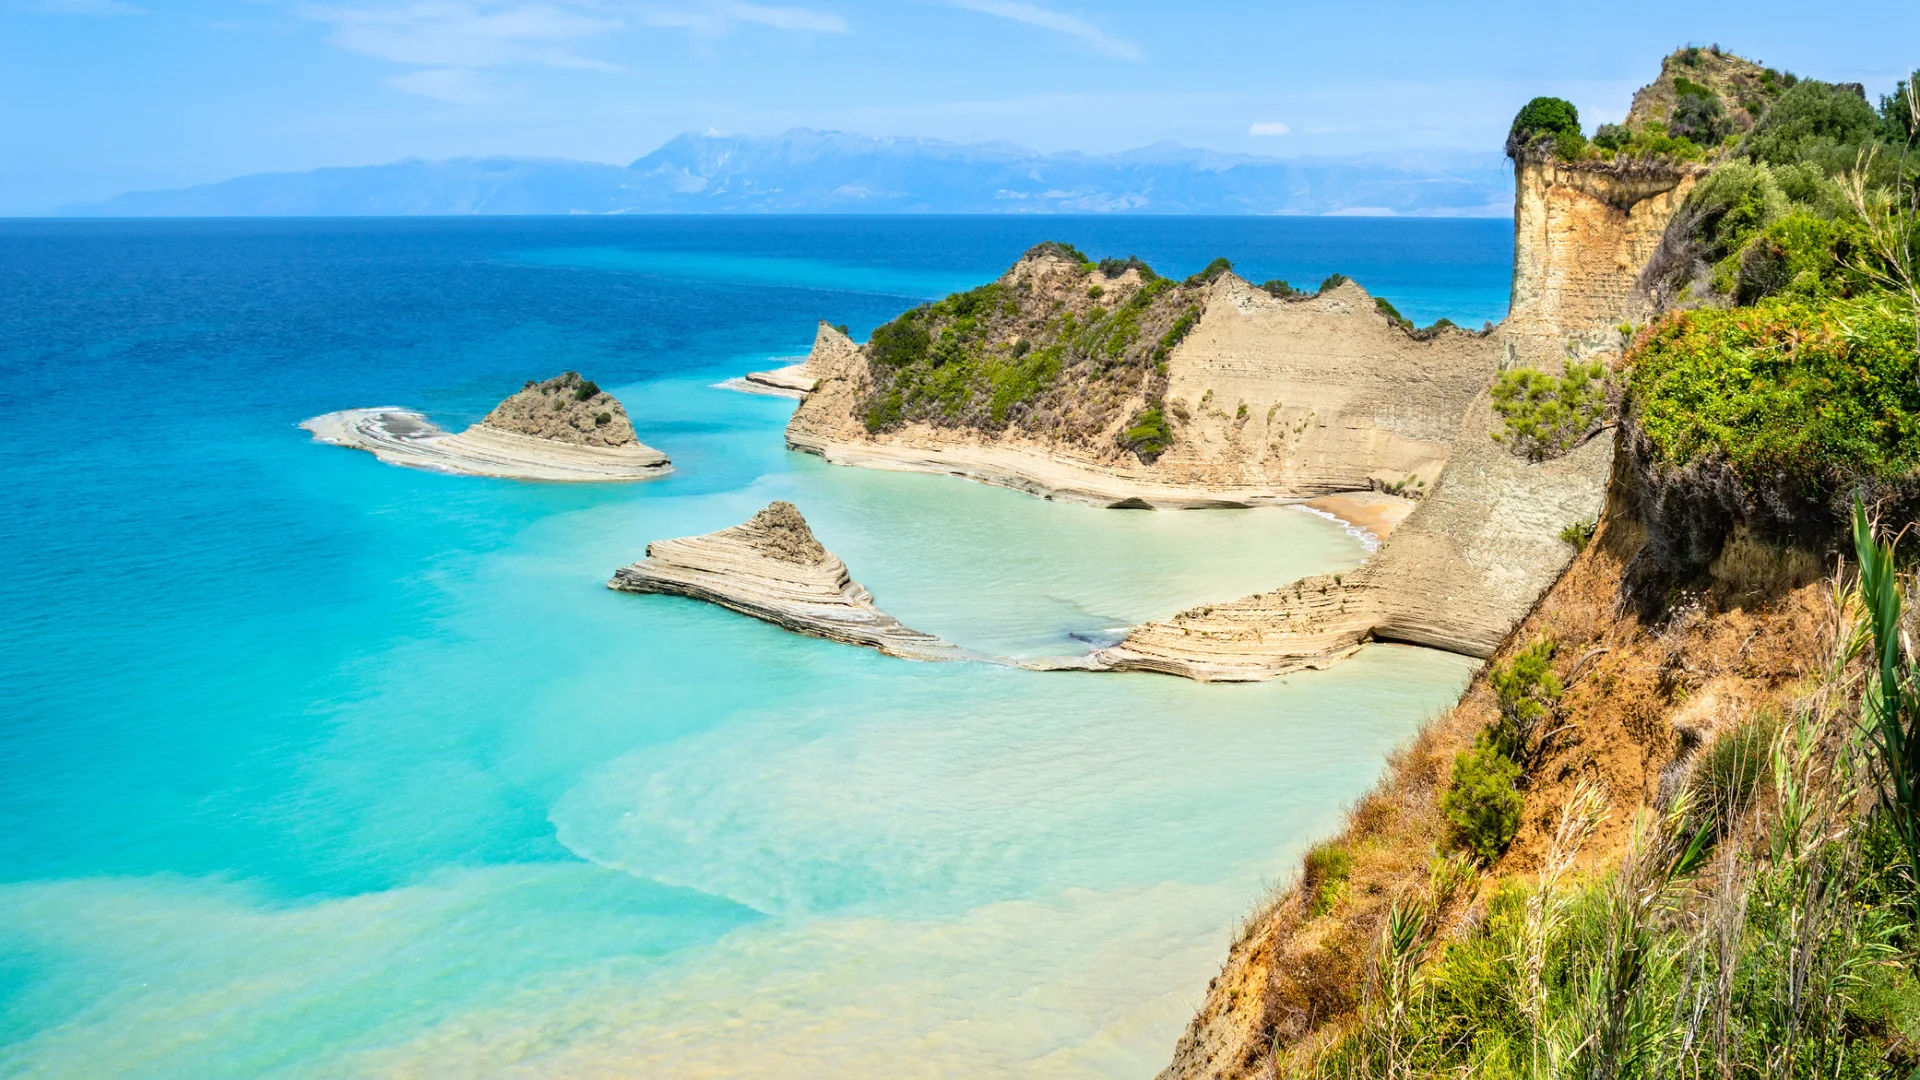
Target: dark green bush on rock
{"points": [[1787, 390], [1547, 120], [1482, 803], [1543, 416], [1148, 435], [1815, 122]]}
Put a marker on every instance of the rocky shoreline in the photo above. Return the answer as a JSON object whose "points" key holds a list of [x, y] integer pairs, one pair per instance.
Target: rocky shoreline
{"points": [[565, 429], [773, 569]]}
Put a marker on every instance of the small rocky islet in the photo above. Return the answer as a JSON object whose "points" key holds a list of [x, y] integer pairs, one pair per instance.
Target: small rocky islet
{"points": [[564, 429], [773, 568]]}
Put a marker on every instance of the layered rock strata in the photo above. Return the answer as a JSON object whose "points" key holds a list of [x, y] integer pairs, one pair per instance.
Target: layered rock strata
{"points": [[773, 569], [1270, 400], [796, 380], [564, 429], [1458, 574], [1581, 235]]}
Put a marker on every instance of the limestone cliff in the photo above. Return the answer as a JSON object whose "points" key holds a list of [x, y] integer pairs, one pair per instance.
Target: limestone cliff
{"points": [[1264, 398], [772, 568], [1581, 234]]}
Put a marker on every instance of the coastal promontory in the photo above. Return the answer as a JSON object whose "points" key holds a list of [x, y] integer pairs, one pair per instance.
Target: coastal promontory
{"points": [[565, 428], [772, 568]]}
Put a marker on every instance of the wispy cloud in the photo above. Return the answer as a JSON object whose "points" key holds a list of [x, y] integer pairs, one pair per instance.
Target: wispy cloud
{"points": [[719, 16], [452, 34], [454, 41], [1058, 21], [460, 86], [79, 7], [1268, 127]]}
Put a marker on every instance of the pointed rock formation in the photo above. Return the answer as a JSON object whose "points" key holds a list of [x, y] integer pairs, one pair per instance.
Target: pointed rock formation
{"points": [[566, 428], [798, 380], [773, 569]]}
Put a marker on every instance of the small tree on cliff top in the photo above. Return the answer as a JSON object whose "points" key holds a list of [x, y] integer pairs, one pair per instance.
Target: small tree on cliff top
{"points": [[1543, 119]]}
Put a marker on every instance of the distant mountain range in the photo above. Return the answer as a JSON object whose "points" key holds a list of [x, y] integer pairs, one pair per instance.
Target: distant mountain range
{"points": [[808, 171]]}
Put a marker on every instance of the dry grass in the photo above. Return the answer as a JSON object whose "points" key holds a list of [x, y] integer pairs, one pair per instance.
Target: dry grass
{"points": [[1639, 698]]}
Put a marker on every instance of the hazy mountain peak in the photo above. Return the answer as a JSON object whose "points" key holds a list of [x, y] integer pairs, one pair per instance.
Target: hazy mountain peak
{"points": [[809, 170]]}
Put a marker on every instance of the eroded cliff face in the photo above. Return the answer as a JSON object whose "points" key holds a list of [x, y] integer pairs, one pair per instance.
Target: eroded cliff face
{"points": [[1267, 399], [1581, 235]]}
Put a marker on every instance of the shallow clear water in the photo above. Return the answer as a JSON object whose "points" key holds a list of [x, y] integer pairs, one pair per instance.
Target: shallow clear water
{"points": [[315, 767]]}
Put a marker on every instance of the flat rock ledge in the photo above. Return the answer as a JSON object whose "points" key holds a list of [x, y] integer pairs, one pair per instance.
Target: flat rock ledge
{"points": [[792, 381], [400, 436], [773, 569]]}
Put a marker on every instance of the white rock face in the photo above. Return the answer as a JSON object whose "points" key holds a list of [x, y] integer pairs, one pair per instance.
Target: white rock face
{"points": [[773, 569], [548, 431]]}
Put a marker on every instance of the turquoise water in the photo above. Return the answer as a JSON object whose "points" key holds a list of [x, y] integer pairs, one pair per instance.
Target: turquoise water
{"points": [[314, 767]]}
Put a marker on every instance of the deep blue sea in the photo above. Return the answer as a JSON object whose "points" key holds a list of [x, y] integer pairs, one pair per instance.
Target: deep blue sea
{"points": [[316, 767]]}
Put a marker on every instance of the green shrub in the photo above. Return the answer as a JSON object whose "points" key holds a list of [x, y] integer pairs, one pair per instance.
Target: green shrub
{"points": [[1528, 694], [1055, 247], [902, 342], [1095, 292], [586, 390], [1611, 137], [1579, 534], [1328, 865], [1330, 282], [884, 411], [1814, 122], [1543, 116], [1212, 271], [1700, 119], [1482, 802], [1684, 87], [1730, 771], [602, 419], [842, 327], [1544, 416], [1113, 268], [1381, 305], [1279, 288], [1148, 435], [1570, 146], [1787, 389]]}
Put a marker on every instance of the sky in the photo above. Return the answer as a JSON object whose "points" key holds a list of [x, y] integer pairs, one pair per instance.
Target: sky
{"points": [[103, 96]]}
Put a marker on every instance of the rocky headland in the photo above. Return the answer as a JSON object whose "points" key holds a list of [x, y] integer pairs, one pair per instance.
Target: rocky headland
{"points": [[1613, 855], [1104, 383], [798, 380], [773, 568], [565, 429]]}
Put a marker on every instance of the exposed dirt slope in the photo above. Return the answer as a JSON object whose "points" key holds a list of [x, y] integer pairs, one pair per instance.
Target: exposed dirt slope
{"points": [[1639, 697]]}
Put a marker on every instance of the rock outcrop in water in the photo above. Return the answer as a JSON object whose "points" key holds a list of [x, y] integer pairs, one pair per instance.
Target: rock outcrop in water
{"points": [[1270, 399], [799, 380], [565, 429], [773, 569]]}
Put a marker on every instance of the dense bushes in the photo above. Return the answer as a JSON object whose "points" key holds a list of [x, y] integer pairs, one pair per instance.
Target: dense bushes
{"points": [[1787, 392], [1483, 800], [1148, 434], [1052, 353], [1544, 118], [1815, 122], [1543, 416]]}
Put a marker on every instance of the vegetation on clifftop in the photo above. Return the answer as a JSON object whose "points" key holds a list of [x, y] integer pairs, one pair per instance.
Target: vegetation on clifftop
{"points": [[1057, 348]]}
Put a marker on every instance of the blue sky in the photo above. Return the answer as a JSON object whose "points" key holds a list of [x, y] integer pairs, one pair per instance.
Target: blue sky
{"points": [[102, 96]]}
